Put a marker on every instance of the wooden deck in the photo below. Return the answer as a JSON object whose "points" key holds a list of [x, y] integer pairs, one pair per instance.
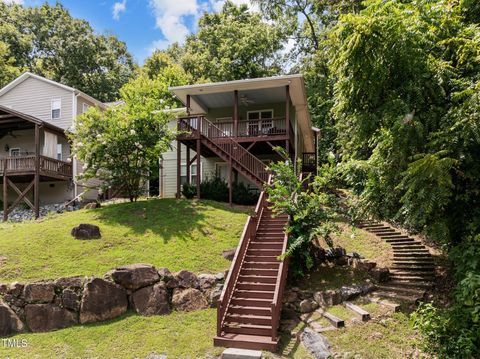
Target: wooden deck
{"points": [[25, 166]]}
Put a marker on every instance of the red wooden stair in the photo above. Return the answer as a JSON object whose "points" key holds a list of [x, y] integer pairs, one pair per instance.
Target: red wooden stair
{"points": [[250, 304]]}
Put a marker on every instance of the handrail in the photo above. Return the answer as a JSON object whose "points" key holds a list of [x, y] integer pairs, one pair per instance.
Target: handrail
{"points": [[27, 163], [249, 232], [227, 144]]}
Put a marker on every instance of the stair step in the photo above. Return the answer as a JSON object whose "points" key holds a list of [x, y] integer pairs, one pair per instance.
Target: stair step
{"points": [[420, 261], [363, 314], [426, 267], [419, 256], [265, 245], [406, 298], [250, 310], [255, 286], [261, 258], [394, 235], [382, 230], [244, 341], [271, 233], [260, 265], [411, 284], [412, 276], [400, 240], [264, 252], [259, 272], [411, 246], [401, 289], [250, 329], [336, 321], [257, 279], [269, 239], [249, 319], [248, 293]]}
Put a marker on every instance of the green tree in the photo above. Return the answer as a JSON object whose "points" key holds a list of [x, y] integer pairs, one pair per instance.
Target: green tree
{"points": [[48, 41], [230, 45], [120, 145]]}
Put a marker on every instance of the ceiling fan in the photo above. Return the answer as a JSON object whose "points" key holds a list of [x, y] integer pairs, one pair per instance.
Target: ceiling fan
{"points": [[245, 100]]}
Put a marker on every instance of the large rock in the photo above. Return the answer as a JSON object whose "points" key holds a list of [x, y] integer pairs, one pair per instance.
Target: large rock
{"points": [[351, 292], [206, 281], [307, 306], [167, 277], [42, 292], [328, 298], [316, 344], [70, 282], [102, 300], [86, 231], [229, 254], [188, 299], [15, 289], [186, 279], [380, 275], [48, 317], [135, 276], [9, 322], [152, 300], [70, 299]]}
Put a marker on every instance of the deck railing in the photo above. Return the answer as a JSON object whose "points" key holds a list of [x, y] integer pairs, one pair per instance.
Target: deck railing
{"points": [[255, 128], [26, 164], [248, 234], [200, 125]]}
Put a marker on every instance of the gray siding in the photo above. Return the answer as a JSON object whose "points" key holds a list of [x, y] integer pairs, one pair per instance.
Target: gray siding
{"points": [[34, 97]]}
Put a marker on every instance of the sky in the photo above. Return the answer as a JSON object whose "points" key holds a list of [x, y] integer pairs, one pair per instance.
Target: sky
{"points": [[145, 25]]}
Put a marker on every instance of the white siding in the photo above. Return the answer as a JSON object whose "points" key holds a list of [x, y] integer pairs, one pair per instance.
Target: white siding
{"points": [[34, 97]]}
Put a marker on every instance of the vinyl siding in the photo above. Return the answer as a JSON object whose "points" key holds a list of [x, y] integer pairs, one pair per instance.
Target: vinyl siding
{"points": [[34, 97]]}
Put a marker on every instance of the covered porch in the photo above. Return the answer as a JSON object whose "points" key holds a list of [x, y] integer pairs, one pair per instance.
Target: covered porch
{"points": [[34, 152]]}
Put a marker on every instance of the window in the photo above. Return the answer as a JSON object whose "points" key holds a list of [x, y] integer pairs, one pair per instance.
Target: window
{"points": [[14, 152], [59, 151], [85, 107], [193, 173], [259, 122], [56, 107]]}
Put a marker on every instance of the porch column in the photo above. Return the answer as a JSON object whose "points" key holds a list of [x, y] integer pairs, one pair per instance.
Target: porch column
{"points": [[235, 113], [36, 189], [188, 105], [5, 191], [198, 167], [179, 168], [287, 119]]}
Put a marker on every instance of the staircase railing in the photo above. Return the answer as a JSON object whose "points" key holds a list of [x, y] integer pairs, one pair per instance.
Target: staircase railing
{"points": [[225, 143], [249, 233]]}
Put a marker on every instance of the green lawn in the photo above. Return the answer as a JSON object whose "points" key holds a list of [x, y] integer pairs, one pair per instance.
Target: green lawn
{"points": [[177, 234]]}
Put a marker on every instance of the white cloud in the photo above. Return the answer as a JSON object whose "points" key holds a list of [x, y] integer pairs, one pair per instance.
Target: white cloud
{"points": [[19, 2], [118, 8]]}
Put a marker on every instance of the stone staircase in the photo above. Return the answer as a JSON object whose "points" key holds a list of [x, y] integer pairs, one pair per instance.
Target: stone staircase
{"points": [[413, 269]]}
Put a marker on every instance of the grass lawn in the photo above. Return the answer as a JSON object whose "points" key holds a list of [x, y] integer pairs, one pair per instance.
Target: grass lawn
{"points": [[177, 234]]}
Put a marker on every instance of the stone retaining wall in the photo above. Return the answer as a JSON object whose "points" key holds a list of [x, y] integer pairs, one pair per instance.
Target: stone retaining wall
{"points": [[50, 305]]}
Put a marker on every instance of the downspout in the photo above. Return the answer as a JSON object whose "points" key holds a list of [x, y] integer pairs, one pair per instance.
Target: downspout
{"points": [[74, 159]]}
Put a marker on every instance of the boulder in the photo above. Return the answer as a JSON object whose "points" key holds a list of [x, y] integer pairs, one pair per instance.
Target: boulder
{"points": [[362, 264], [188, 299], [214, 295], [167, 277], [186, 279], [135, 276], [102, 300], [152, 300], [290, 297], [220, 277], [229, 254], [86, 231], [41, 292], [10, 323], [3, 288], [354, 255], [307, 306], [48, 317], [350, 292], [317, 344], [336, 252], [70, 282], [15, 289], [206, 281], [380, 275], [328, 298], [70, 299]]}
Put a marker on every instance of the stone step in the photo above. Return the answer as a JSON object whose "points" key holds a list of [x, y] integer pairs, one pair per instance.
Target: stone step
{"points": [[361, 313], [397, 296], [336, 321], [411, 284], [401, 289]]}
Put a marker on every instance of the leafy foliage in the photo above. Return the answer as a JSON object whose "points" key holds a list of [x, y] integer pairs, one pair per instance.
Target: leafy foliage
{"points": [[48, 41], [309, 212]]}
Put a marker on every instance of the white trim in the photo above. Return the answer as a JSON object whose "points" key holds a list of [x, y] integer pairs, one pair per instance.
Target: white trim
{"points": [[13, 149], [85, 107], [54, 99], [191, 172], [59, 147]]}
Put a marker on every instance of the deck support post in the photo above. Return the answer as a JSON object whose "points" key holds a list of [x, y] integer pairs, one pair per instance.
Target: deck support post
{"points": [[287, 119], [199, 162], [235, 113], [179, 168], [187, 161], [230, 175], [5, 191], [36, 185]]}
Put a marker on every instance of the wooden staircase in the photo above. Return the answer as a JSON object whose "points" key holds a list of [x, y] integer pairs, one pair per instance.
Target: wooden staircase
{"points": [[224, 146], [250, 305]]}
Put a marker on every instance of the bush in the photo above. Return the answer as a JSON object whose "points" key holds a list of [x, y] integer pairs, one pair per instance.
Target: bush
{"points": [[243, 195], [189, 190], [214, 188]]}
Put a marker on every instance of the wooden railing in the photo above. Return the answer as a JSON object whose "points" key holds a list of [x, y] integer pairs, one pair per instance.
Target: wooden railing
{"points": [[21, 164], [309, 162], [249, 232], [276, 304], [255, 128], [224, 142]]}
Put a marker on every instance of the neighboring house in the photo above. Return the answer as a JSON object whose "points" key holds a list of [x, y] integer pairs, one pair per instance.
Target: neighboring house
{"points": [[240, 123], [34, 114]]}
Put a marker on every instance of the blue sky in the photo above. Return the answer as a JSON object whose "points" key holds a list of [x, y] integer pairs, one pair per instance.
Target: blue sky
{"points": [[143, 24]]}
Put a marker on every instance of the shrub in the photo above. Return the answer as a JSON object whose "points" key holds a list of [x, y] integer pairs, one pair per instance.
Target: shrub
{"points": [[189, 190], [243, 195], [214, 188]]}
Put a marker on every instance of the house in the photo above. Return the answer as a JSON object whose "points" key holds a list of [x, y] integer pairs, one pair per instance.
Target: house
{"points": [[235, 126], [35, 155], [233, 130]]}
